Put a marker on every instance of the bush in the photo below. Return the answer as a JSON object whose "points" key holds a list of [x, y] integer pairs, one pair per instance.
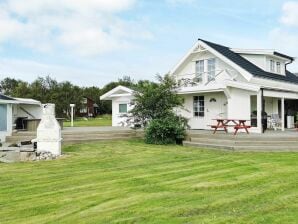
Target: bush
{"points": [[168, 130]]}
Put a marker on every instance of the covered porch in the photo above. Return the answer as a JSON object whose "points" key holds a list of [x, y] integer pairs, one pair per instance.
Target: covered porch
{"points": [[274, 110]]}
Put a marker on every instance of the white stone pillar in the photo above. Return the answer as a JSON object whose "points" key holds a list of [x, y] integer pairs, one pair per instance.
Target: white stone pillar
{"points": [[259, 111], [283, 114], [49, 132]]}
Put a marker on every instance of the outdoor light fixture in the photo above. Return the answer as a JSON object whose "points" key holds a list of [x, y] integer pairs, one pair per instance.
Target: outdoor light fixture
{"points": [[212, 100]]}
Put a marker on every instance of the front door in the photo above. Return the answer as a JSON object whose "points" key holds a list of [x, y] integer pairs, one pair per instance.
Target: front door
{"points": [[197, 120], [3, 117], [215, 108]]}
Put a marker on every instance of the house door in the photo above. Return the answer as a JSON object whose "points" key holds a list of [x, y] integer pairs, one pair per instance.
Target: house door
{"points": [[3, 117], [214, 109], [198, 119]]}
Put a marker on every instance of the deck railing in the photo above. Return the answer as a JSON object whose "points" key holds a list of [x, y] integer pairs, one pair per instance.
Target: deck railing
{"points": [[203, 78]]}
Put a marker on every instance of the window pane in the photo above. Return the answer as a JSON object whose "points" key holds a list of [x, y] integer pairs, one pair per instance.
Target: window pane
{"points": [[199, 70], [122, 108], [198, 106], [278, 70], [211, 68], [272, 66]]}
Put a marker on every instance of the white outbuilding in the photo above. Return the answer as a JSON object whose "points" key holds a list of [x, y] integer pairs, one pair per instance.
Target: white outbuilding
{"points": [[121, 98]]}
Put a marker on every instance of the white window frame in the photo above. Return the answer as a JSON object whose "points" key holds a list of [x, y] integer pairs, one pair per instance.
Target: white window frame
{"points": [[126, 108], [278, 67], [211, 68], [200, 69], [272, 65], [199, 106]]}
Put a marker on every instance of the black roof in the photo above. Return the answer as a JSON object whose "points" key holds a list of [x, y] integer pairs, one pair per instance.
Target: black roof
{"points": [[3, 97], [250, 67]]}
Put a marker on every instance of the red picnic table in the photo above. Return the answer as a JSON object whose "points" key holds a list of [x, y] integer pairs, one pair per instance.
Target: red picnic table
{"points": [[236, 123]]}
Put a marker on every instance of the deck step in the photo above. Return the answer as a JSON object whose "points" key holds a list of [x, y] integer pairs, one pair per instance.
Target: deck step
{"points": [[206, 145], [80, 136], [245, 141], [255, 148]]}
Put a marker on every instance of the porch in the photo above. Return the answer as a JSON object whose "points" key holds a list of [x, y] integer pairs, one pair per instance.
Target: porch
{"points": [[277, 141]]}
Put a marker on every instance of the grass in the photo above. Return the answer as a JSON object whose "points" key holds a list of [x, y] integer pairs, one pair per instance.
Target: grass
{"points": [[104, 120], [130, 182]]}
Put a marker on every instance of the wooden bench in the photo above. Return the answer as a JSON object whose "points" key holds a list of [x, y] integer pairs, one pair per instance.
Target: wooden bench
{"points": [[237, 127]]}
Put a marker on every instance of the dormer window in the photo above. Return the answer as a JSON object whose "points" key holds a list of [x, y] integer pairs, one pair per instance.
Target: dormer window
{"points": [[272, 66], [278, 68]]}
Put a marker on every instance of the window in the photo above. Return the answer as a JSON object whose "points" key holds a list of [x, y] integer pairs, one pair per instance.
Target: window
{"points": [[272, 66], [211, 69], [83, 110], [199, 69], [123, 108], [278, 68], [198, 106]]}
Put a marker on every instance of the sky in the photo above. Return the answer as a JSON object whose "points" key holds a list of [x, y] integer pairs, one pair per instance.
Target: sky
{"points": [[93, 42]]}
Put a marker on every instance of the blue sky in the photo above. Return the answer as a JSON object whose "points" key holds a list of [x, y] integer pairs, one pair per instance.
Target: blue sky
{"points": [[93, 42]]}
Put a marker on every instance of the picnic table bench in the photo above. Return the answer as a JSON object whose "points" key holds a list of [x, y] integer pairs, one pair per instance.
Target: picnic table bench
{"points": [[236, 123]]}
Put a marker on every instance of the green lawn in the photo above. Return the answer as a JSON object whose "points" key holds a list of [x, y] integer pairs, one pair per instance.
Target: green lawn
{"points": [[105, 120], [130, 182]]}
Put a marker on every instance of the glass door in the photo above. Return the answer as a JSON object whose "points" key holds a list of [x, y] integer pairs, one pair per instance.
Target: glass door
{"points": [[3, 117]]}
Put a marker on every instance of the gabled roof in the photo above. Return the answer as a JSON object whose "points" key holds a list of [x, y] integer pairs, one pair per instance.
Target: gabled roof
{"points": [[250, 67], [14, 100], [117, 92]]}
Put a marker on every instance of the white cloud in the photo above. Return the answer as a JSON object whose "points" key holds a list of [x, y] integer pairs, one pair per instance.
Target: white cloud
{"points": [[285, 36], [290, 13], [88, 27]]}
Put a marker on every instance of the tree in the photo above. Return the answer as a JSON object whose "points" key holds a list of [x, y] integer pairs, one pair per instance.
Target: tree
{"points": [[156, 100], [154, 106], [8, 86]]}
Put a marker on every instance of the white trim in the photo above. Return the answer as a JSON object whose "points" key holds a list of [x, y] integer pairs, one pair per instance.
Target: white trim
{"points": [[277, 94], [242, 71], [112, 93], [242, 85], [279, 85]]}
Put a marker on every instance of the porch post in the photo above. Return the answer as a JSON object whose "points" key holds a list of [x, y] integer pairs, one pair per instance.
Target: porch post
{"points": [[283, 114], [259, 111]]}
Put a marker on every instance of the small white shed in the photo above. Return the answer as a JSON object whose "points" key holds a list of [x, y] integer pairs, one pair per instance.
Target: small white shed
{"points": [[13, 108], [121, 98]]}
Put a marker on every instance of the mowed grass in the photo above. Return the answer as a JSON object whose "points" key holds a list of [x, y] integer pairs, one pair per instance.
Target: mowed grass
{"points": [[131, 182], [105, 120]]}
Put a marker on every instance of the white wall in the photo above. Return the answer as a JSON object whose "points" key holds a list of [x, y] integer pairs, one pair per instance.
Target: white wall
{"points": [[116, 116], [258, 60], [188, 68], [35, 110], [212, 109], [239, 105]]}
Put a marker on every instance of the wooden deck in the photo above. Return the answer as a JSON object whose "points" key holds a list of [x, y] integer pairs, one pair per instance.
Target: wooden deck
{"points": [[73, 135], [269, 141]]}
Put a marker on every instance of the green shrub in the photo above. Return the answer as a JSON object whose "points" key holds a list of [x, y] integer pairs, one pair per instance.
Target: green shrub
{"points": [[168, 130]]}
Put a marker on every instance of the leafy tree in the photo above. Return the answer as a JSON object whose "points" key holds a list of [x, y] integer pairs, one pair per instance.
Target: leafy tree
{"points": [[156, 100], [8, 86], [154, 106]]}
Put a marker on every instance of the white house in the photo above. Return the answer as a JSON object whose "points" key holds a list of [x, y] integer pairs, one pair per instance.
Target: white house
{"points": [[121, 98], [13, 108], [222, 82]]}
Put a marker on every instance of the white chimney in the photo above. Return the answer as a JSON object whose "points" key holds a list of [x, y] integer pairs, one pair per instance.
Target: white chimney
{"points": [[49, 131]]}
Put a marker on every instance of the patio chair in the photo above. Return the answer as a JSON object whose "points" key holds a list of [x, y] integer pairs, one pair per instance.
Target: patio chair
{"points": [[275, 121]]}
